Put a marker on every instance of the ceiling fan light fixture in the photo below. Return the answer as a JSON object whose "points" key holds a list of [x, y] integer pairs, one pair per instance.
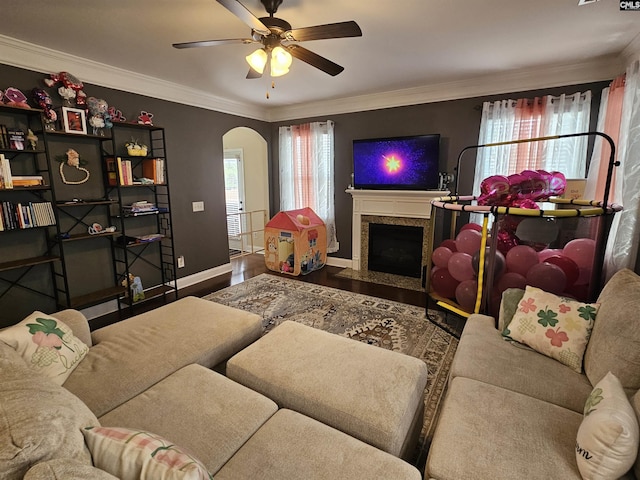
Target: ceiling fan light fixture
{"points": [[280, 61], [257, 60]]}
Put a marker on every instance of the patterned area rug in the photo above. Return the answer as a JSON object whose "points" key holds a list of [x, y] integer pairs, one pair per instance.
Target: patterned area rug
{"points": [[386, 324], [383, 278]]}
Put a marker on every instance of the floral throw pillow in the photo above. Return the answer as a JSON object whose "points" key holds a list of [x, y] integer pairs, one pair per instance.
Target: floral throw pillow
{"points": [[607, 440], [555, 326], [134, 454], [47, 345]]}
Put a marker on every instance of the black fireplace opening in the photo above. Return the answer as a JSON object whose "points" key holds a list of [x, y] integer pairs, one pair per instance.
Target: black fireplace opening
{"points": [[395, 249]]}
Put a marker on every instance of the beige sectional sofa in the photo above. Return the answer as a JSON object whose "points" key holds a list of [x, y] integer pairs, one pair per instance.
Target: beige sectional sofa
{"points": [[511, 412], [155, 372]]}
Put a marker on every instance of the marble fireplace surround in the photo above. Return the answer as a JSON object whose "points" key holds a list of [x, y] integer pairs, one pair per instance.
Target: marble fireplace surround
{"points": [[389, 207]]}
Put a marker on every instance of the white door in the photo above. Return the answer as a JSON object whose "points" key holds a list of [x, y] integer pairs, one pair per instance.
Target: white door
{"points": [[234, 196]]}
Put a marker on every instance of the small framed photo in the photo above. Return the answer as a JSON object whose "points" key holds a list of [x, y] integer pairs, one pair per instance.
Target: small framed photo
{"points": [[74, 120]]}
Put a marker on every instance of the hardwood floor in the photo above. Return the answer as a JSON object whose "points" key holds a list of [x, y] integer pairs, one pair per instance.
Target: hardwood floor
{"points": [[249, 266]]}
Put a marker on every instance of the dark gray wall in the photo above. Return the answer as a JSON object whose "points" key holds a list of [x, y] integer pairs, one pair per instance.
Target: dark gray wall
{"points": [[457, 122], [195, 150], [195, 163]]}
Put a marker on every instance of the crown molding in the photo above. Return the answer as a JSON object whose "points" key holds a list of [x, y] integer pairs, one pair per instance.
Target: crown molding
{"points": [[33, 57], [504, 82], [632, 51], [29, 56]]}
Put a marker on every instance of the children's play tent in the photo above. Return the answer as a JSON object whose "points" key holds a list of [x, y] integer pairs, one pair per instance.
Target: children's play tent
{"points": [[295, 242]]}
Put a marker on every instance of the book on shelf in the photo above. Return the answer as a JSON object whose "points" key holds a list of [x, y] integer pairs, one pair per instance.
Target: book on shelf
{"points": [[142, 207], [153, 169], [6, 179], [27, 180], [26, 215], [112, 174], [121, 169], [4, 137], [16, 139]]}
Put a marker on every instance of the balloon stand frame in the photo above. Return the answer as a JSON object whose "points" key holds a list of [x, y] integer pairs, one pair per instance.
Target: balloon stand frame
{"points": [[573, 219]]}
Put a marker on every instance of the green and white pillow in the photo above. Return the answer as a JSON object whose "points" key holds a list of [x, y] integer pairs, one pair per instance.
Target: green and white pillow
{"points": [[558, 327], [47, 345], [607, 441]]}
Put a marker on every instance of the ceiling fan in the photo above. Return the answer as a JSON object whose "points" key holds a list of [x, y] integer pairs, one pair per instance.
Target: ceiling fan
{"points": [[279, 40]]}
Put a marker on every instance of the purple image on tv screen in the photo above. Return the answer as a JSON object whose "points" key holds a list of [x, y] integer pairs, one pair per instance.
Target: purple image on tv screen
{"points": [[403, 163]]}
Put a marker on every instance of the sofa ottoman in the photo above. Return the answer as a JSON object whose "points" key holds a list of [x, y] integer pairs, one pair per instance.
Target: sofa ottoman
{"points": [[370, 393], [199, 410], [293, 446], [130, 356]]}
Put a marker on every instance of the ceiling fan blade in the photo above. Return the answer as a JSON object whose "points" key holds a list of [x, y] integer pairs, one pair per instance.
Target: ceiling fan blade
{"points": [[253, 74], [321, 32], [240, 11], [314, 59], [213, 43]]}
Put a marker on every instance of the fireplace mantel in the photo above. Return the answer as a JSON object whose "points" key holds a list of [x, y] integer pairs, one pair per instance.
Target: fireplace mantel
{"points": [[387, 203]]}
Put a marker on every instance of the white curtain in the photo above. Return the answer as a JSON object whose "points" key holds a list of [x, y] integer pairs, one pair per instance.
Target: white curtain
{"points": [[622, 247], [507, 120], [307, 172]]}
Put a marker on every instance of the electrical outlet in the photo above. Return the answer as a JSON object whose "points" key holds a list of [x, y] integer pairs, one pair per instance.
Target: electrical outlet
{"points": [[197, 206], [181, 261]]}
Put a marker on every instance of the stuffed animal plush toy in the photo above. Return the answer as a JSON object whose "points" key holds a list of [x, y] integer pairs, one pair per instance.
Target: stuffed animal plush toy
{"points": [[116, 115], [71, 87], [99, 117], [145, 118], [43, 100], [15, 98]]}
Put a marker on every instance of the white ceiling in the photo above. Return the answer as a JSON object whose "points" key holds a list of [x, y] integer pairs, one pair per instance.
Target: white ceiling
{"points": [[410, 49]]}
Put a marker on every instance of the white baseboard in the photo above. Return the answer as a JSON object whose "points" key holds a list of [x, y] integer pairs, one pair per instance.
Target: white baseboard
{"points": [[100, 309], [204, 275], [339, 262]]}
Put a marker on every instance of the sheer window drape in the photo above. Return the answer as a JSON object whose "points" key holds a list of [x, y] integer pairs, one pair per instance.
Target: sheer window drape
{"points": [[620, 119], [507, 120], [307, 172]]}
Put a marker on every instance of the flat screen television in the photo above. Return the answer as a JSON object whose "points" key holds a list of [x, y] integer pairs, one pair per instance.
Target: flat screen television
{"points": [[397, 163]]}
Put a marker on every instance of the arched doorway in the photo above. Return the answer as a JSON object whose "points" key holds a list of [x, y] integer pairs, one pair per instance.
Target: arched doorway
{"points": [[246, 189]]}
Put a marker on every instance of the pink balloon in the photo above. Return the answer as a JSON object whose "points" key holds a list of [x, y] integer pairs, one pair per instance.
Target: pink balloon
{"points": [[584, 276], [450, 244], [471, 226], [460, 266], [568, 266], [548, 277], [582, 251], [521, 258], [579, 292], [466, 293], [443, 283], [468, 241], [498, 262], [506, 240], [549, 252], [511, 280], [441, 256]]}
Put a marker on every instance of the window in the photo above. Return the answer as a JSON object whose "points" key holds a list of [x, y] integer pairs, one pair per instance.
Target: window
{"points": [[508, 120], [234, 191], [306, 172]]}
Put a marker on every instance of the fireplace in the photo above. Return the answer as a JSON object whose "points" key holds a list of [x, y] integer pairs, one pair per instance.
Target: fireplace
{"points": [[389, 207], [395, 249]]}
